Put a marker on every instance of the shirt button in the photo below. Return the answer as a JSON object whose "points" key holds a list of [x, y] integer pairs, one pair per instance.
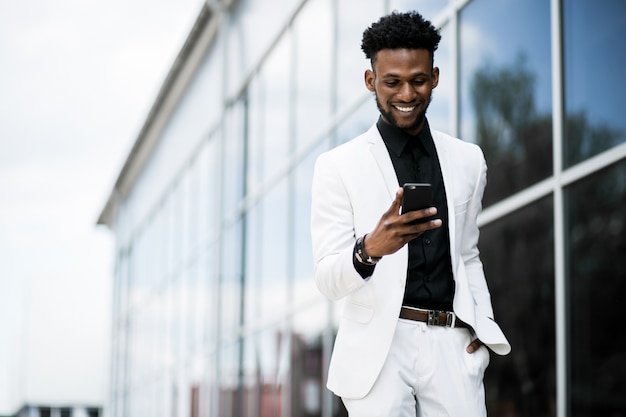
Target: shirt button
{"points": [[427, 241]]}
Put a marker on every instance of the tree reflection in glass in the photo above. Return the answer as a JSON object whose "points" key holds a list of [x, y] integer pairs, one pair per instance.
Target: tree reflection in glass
{"points": [[516, 139]]}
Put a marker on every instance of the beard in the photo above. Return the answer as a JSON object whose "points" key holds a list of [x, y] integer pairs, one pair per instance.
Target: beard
{"points": [[389, 117]]}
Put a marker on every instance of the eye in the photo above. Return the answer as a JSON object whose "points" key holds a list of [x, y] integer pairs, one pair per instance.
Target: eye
{"points": [[391, 83]]}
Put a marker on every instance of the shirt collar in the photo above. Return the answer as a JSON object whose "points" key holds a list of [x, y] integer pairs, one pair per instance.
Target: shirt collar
{"points": [[397, 140]]}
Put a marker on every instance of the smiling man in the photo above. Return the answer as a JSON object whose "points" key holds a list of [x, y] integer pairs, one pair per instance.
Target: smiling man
{"points": [[417, 324]]}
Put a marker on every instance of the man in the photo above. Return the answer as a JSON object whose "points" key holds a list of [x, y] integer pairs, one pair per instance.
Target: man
{"points": [[417, 319]]}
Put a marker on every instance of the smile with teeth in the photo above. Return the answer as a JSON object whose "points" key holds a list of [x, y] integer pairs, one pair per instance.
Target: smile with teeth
{"points": [[405, 109]]}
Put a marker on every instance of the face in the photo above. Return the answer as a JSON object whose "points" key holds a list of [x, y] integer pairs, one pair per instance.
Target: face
{"points": [[403, 81]]}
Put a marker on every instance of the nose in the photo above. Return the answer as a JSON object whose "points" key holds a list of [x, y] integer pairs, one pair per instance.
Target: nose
{"points": [[407, 92]]}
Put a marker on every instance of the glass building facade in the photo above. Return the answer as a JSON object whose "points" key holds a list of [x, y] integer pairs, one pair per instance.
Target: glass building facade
{"points": [[215, 308]]}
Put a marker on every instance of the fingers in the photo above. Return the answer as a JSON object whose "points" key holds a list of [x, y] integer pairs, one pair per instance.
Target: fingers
{"points": [[473, 347], [419, 221], [394, 230]]}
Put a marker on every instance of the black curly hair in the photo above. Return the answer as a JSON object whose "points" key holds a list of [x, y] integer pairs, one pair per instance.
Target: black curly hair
{"points": [[400, 30]]}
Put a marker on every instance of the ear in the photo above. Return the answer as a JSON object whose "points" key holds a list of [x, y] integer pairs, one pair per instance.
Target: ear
{"points": [[435, 76], [370, 78]]}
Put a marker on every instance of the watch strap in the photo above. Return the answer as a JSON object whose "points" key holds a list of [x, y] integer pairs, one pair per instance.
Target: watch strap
{"points": [[361, 255]]}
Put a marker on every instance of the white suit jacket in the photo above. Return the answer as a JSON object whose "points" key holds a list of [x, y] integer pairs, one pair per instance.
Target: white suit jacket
{"points": [[353, 185]]}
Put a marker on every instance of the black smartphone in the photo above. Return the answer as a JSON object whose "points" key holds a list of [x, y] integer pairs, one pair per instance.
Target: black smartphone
{"points": [[416, 196]]}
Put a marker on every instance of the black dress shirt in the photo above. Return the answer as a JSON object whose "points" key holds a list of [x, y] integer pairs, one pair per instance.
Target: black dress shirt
{"points": [[429, 283]]}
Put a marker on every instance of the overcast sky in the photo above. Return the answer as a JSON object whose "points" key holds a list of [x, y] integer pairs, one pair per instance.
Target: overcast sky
{"points": [[77, 79]]}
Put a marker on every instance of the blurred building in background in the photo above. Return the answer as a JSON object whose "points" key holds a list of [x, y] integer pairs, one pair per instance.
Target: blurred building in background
{"points": [[31, 410], [215, 309]]}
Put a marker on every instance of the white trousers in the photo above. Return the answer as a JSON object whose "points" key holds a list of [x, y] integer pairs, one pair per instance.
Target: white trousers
{"points": [[428, 373]]}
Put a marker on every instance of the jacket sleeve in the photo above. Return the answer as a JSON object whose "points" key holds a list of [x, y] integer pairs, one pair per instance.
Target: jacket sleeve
{"points": [[332, 231]]}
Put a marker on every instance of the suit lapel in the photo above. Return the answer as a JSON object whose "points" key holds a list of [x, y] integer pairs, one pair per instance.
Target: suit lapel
{"points": [[383, 161]]}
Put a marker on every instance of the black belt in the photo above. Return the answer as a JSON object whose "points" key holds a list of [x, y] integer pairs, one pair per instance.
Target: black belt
{"points": [[432, 317]]}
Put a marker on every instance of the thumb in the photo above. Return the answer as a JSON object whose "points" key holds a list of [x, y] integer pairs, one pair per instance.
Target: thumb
{"points": [[397, 202], [473, 347]]}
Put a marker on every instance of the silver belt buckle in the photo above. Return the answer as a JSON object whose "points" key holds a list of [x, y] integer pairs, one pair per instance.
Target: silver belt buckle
{"points": [[433, 317]]}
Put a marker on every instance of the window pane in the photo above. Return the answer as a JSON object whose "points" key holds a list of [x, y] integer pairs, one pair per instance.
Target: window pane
{"points": [[269, 98], [232, 153], [304, 290], [272, 290], [207, 189], [505, 91], [427, 8], [358, 122], [518, 256], [313, 61], [595, 59], [230, 281], [208, 287], [596, 276], [266, 286], [439, 108], [351, 62], [274, 128], [254, 25]]}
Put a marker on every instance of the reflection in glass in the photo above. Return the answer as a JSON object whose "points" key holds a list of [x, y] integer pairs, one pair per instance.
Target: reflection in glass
{"points": [[596, 277], [307, 378], [261, 395], [518, 256], [230, 397], [307, 367], [595, 59], [505, 91]]}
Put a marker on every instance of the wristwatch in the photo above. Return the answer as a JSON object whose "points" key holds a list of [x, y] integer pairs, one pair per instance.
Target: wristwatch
{"points": [[361, 256]]}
